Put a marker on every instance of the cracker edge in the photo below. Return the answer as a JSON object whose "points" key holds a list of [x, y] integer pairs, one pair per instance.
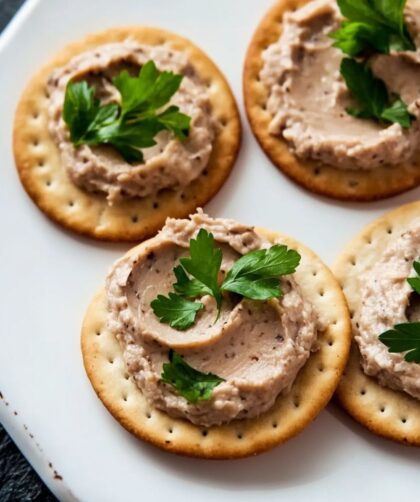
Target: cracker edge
{"points": [[190, 446], [322, 179], [354, 379], [225, 147]]}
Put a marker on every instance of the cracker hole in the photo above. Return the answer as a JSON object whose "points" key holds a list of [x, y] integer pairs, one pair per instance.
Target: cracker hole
{"points": [[363, 392], [317, 171], [315, 273], [35, 115], [353, 261], [125, 397], [330, 343], [321, 368], [404, 420], [110, 360], [353, 183], [382, 409], [127, 376], [98, 333], [204, 433], [134, 219], [239, 435], [155, 205], [170, 430], [389, 230], [274, 425], [71, 203], [321, 292], [148, 415], [296, 402], [48, 183], [223, 121], [35, 143], [41, 163]]}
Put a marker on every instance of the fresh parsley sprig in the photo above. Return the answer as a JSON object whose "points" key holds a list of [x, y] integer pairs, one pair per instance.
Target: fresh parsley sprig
{"points": [[415, 281], [255, 276], [176, 311], [405, 337], [372, 95], [189, 382], [372, 25], [131, 125]]}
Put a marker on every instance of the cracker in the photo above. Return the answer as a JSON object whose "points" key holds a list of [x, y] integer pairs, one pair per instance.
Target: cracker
{"points": [[386, 412], [319, 178], [38, 158], [310, 393]]}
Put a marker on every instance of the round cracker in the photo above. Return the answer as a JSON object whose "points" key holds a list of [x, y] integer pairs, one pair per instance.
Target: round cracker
{"points": [[386, 412], [344, 184], [43, 177], [310, 393]]}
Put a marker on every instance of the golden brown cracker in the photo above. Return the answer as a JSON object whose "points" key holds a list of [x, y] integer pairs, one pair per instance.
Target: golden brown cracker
{"points": [[323, 179], [43, 177], [386, 412], [310, 393]]}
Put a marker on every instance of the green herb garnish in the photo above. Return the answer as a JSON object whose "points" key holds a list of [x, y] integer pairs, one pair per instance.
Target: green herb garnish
{"points": [[372, 95], [254, 276], [405, 337], [176, 311], [131, 125], [372, 25], [190, 383], [415, 281]]}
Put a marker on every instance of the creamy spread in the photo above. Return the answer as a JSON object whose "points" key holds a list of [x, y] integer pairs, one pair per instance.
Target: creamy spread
{"points": [[387, 299], [308, 98], [258, 348], [170, 163]]}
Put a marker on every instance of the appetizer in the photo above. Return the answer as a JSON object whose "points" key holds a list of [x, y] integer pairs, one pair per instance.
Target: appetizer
{"points": [[380, 274], [332, 96], [215, 339], [123, 129]]}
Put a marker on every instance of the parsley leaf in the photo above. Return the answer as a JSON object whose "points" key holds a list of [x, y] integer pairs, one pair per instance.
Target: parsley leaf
{"points": [[176, 311], [189, 382], [190, 288], [415, 281], [204, 263], [372, 95], [255, 275], [376, 25], [133, 124], [404, 338]]}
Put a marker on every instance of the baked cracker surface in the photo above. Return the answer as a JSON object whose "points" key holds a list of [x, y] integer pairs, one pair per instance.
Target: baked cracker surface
{"points": [[386, 412], [45, 180], [323, 179], [291, 413]]}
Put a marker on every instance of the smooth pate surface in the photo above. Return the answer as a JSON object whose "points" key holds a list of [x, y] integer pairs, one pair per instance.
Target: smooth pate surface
{"points": [[308, 97], [258, 348], [169, 164], [387, 299]]}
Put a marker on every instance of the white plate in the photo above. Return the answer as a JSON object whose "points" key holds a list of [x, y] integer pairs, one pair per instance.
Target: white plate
{"points": [[49, 275]]}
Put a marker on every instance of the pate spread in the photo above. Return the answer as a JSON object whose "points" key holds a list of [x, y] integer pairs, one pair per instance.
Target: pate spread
{"points": [[256, 347], [385, 301], [168, 164], [308, 98]]}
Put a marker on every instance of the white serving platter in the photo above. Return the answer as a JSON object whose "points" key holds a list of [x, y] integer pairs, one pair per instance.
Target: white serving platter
{"points": [[49, 275]]}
